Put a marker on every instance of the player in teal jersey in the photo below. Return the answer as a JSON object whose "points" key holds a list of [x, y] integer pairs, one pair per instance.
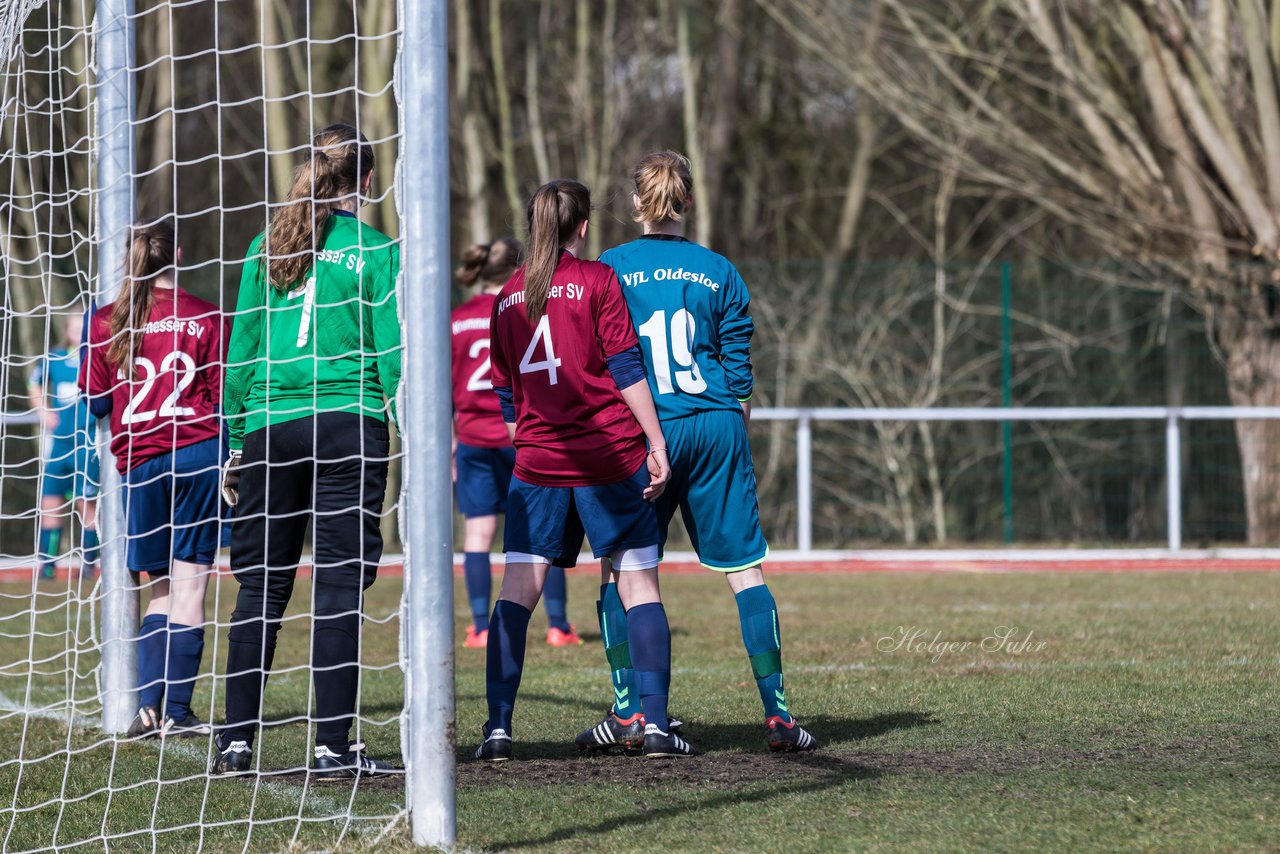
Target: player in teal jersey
{"points": [[691, 310], [70, 462]]}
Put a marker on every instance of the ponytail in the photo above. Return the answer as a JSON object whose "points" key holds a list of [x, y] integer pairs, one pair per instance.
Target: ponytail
{"points": [[664, 185], [556, 211], [490, 263], [150, 252], [340, 159]]}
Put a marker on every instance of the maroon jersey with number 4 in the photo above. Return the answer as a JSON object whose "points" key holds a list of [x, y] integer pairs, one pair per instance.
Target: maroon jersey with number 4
{"points": [[170, 398], [572, 426], [476, 411]]}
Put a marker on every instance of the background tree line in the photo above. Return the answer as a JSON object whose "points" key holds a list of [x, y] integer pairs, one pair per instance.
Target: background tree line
{"points": [[876, 168]]}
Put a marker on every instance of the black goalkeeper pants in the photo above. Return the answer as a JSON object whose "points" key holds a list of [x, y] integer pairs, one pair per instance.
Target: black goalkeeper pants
{"points": [[330, 468]]}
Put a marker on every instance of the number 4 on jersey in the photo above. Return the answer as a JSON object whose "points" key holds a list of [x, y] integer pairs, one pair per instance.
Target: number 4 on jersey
{"points": [[548, 364]]}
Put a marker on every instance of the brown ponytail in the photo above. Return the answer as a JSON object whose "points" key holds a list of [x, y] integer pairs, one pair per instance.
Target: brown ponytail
{"points": [[340, 159], [556, 211], [490, 263], [664, 184], [149, 252]]}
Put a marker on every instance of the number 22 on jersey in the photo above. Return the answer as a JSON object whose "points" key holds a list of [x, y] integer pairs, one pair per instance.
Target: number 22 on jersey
{"points": [[184, 368], [677, 348]]}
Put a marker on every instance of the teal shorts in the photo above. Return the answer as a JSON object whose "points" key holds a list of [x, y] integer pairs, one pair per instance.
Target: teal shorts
{"points": [[713, 485], [70, 472]]}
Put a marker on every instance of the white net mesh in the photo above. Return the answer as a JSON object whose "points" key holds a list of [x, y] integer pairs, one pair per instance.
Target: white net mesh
{"points": [[228, 97]]}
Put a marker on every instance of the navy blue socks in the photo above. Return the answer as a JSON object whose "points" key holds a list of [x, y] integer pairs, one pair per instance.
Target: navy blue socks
{"points": [[152, 659], [479, 578], [555, 594], [186, 647], [649, 637], [505, 662], [758, 614]]}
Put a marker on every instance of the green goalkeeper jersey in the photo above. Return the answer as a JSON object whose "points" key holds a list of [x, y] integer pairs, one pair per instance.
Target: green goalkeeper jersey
{"points": [[330, 345]]}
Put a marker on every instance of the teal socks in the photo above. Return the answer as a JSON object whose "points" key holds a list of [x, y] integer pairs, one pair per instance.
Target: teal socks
{"points": [[613, 633], [758, 614]]}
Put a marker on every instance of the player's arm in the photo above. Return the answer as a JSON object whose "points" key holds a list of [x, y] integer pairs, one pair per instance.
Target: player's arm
{"points": [[246, 336], [621, 349], [736, 329], [500, 374], [386, 325], [95, 374], [38, 399]]}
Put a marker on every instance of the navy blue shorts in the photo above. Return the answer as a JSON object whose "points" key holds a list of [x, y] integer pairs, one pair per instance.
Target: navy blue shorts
{"points": [[550, 521], [484, 476], [713, 486], [173, 503]]}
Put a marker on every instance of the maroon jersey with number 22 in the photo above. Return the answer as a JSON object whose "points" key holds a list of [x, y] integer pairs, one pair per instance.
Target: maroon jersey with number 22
{"points": [[170, 397], [572, 426]]}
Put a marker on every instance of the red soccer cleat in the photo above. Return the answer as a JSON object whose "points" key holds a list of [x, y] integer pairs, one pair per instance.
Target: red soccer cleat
{"points": [[476, 640], [556, 637]]}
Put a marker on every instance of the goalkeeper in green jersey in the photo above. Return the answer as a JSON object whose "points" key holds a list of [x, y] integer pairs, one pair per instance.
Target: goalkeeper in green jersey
{"points": [[312, 374]]}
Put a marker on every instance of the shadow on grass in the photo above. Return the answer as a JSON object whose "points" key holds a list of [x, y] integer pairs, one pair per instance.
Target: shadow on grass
{"points": [[731, 738], [741, 778]]}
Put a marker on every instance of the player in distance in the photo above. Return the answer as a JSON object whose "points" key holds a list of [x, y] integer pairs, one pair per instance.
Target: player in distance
{"points": [[154, 362], [70, 473], [570, 377], [691, 310], [314, 360], [483, 457]]}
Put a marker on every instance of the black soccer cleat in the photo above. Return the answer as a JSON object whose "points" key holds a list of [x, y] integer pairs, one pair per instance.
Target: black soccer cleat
{"points": [[496, 747], [328, 765], [146, 724], [234, 757], [661, 745], [189, 727], [789, 736], [613, 732]]}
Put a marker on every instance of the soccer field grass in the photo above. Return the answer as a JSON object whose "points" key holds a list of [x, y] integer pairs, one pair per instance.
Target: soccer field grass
{"points": [[1124, 711]]}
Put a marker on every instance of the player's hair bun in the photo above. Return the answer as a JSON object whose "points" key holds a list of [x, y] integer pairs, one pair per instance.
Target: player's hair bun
{"points": [[664, 184], [491, 263], [472, 263]]}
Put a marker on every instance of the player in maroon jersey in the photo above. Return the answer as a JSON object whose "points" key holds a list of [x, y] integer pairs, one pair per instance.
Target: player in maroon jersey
{"points": [[154, 362], [568, 371], [483, 456]]}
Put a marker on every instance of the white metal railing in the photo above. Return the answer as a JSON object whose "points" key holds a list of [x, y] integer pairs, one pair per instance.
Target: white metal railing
{"points": [[1173, 416]]}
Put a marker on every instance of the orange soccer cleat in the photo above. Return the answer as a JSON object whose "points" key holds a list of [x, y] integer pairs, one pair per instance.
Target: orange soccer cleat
{"points": [[559, 637], [476, 640]]}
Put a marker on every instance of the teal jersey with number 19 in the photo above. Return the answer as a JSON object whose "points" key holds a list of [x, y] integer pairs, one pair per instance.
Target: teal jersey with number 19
{"points": [[329, 345], [692, 313]]}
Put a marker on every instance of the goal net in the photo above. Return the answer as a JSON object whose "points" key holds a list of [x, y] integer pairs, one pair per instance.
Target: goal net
{"points": [[221, 101]]}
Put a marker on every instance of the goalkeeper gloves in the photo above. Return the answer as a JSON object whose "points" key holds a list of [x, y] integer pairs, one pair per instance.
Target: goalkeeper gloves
{"points": [[231, 479]]}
